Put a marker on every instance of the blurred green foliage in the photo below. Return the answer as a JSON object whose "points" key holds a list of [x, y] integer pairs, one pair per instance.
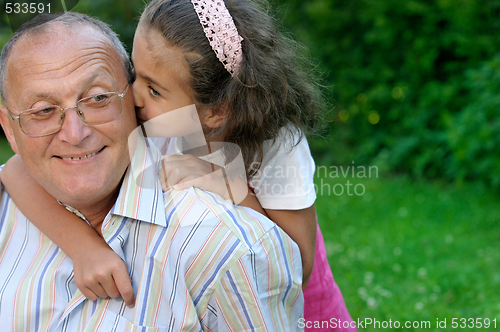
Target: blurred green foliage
{"points": [[474, 133], [414, 83], [122, 16]]}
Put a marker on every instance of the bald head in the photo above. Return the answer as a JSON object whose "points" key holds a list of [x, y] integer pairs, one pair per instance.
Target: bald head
{"points": [[44, 28]]}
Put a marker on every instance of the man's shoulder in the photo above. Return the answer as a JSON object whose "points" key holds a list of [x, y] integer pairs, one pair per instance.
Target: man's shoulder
{"points": [[193, 207]]}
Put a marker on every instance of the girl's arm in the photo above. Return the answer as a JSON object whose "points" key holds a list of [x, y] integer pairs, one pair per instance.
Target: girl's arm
{"points": [[300, 225], [99, 271]]}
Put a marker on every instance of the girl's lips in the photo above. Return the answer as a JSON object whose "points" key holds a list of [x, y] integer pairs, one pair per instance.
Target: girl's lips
{"points": [[140, 121]]}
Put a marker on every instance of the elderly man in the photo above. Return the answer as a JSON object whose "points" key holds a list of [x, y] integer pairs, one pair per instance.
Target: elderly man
{"points": [[196, 262]]}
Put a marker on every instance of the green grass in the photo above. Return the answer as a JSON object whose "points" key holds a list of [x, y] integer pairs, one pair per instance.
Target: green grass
{"points": [[413, 251]]}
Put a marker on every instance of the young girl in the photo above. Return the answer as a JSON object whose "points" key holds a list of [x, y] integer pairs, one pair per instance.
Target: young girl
{"points": [[232, 63]]}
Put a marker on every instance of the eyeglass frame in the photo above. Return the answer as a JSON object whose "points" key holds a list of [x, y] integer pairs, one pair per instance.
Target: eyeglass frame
{"points": [[80, 113]]}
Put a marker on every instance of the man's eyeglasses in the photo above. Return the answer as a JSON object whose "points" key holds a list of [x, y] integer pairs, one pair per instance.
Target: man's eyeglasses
{"points": [[93, 110]]}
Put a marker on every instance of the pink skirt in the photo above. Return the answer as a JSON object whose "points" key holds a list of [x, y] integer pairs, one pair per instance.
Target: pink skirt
{"points": [[324, 307]]}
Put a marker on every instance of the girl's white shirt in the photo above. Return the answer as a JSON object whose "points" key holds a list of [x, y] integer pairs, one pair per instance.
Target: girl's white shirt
{"points": [[284, 180]]}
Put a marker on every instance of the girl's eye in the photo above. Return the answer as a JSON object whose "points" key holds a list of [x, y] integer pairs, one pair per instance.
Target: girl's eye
{"points": [[153, 92]]}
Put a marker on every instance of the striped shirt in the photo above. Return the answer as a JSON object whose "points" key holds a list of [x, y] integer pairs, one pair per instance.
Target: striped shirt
{"points": [[197, 263]]}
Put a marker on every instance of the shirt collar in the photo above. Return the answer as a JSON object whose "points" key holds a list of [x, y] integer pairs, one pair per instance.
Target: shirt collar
{"points": [[141, 195]]}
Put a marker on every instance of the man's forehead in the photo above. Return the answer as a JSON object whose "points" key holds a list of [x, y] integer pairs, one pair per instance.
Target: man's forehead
{"points": [[59, 50], [59, 37], [58, 42]]}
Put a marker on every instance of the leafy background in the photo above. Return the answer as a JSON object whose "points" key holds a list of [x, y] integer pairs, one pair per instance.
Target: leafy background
{"points": [[414, 83], [414, 89]]}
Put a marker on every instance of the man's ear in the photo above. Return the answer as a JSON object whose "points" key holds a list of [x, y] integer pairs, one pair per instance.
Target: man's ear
{"points": [[213, 117], [7, 128]]}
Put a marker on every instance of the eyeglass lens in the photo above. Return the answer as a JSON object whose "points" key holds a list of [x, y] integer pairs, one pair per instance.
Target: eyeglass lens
{"points": [[92, 110]]}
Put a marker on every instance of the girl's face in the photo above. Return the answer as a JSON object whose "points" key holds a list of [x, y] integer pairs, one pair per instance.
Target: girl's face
{"points": [[162, 76]]}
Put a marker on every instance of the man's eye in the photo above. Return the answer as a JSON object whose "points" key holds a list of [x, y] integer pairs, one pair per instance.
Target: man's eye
{"points": [[43, 112], [96, 101], [154, 93]]}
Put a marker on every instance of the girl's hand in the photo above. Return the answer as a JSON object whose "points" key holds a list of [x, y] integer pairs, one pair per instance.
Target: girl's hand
{"points": [[184, 171], [102, 273]]}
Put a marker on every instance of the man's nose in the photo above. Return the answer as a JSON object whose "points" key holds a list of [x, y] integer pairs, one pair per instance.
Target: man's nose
{"points": [[73, 130]]}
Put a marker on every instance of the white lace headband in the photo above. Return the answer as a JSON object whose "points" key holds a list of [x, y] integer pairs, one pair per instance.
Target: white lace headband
{"points": [[221, 32]]}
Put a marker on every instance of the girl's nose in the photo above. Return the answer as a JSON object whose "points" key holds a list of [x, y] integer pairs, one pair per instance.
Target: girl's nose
{"points": [[139, 101]]}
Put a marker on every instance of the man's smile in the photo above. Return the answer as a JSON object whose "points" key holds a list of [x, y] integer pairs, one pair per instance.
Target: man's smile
{"points": [[80, 156]]}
